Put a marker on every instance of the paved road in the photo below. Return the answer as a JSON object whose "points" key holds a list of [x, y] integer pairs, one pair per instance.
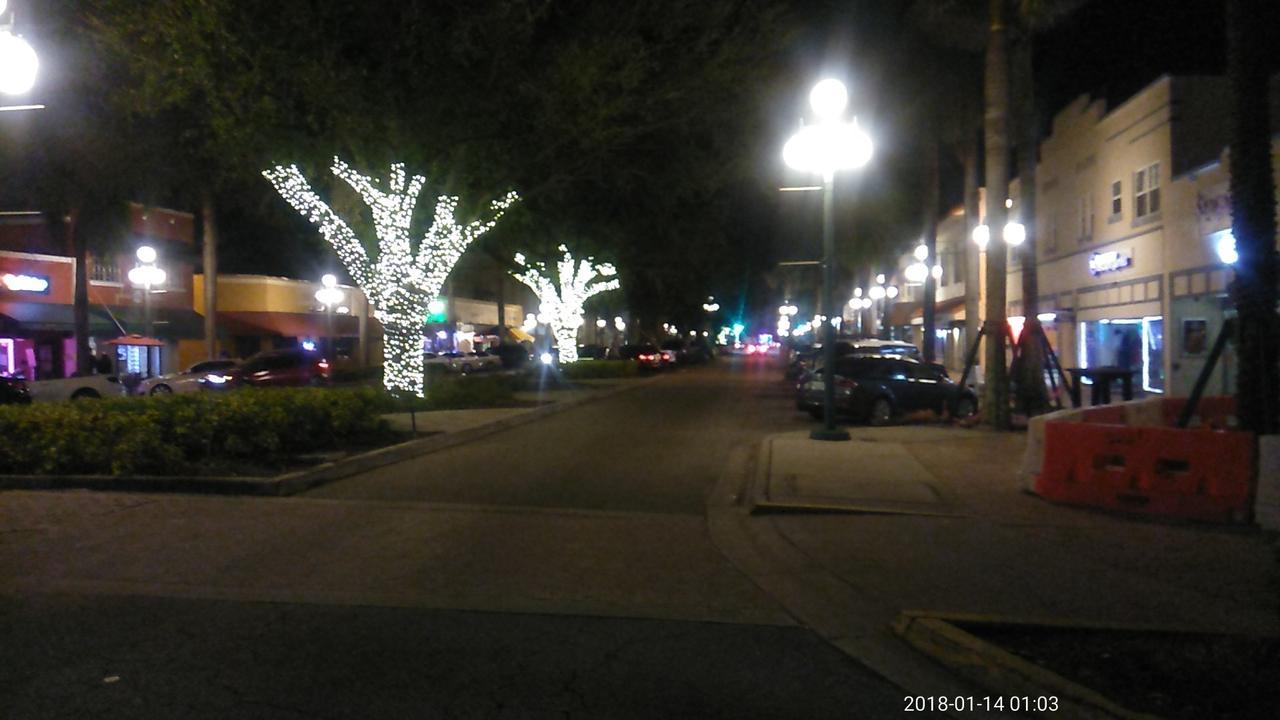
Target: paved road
{"points": [[658, 449], [560, 569]]}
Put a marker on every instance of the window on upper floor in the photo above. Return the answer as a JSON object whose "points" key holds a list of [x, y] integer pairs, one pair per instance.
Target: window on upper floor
{"points": [[1117, 199], [103, 270], [1146, 191], [1084, 218]]}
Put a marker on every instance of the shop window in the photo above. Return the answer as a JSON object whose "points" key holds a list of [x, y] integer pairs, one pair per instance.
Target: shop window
{"points": [[1146, 191], [1134, 343]]}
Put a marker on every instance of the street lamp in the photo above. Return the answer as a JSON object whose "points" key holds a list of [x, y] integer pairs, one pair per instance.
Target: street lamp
{"points": [[18, 61], [147, 275], [825, 148], [329, 295]]}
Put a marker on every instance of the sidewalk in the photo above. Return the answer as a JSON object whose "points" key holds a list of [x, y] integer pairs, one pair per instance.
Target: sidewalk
{"points": [[928, 518]]}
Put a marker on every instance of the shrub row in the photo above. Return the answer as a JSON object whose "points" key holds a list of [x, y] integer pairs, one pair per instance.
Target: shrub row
{"points": [[184, 434]]}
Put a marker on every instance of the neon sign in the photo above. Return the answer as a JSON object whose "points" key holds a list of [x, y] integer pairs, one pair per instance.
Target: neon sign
{"points": [[1109, 261], [25, 283]]}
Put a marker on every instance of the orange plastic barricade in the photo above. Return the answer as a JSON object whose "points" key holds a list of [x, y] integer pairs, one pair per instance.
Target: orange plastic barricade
{"points": [[1196, 474]]}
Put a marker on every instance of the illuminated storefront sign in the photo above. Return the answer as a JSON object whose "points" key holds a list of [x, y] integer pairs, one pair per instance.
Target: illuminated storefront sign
{"points": [[25, 283], [1109, 261]]}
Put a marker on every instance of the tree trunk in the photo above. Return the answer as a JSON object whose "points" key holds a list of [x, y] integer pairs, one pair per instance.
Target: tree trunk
{"points": [[402, 367], [1033, 397], [209, 238], [972, 262], [80, 300], [1253, 221], [929, 305], [996, 392]]}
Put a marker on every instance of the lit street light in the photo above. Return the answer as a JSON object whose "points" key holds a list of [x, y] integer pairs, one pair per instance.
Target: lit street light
{"points": [[825, 148], [329, 295], [147, 275]]}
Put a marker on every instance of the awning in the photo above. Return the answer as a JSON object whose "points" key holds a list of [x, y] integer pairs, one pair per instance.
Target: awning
{"points": [[135, 339], [511, 333], [17, 318], [900, 313], [245, 322], [946, 307]]}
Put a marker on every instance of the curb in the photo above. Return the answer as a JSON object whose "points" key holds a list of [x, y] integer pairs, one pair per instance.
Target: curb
{"points": [[850, 619], [302, 480], [1003, 672]]}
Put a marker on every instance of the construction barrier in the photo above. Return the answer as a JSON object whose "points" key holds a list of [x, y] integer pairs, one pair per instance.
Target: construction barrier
{"points": [[1195, 473]]}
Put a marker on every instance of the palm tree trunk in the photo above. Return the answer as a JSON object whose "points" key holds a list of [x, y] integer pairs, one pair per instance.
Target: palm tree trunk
{"points": [[209, 233], [972, 262], [929, 310], [80, 299], [1253, 221], [1033, 398], [996, 392]]}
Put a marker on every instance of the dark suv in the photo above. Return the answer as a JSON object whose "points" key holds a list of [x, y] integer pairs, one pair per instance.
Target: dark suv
{"points": [[273, 368], [874, 389]]}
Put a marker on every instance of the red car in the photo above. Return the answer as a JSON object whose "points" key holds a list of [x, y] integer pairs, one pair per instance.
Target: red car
{"points": [[273, 368]]}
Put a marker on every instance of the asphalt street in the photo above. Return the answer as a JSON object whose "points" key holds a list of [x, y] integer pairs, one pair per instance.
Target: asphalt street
{"points": [[557, 569]]}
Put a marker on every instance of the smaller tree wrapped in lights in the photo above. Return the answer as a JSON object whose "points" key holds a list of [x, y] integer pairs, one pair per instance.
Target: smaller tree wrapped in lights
{"points": [[399, 280], [562, 295]]}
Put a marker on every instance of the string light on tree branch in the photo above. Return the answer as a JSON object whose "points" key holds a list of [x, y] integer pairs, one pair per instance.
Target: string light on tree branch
{"points": [[399, 280], [563, 293]]}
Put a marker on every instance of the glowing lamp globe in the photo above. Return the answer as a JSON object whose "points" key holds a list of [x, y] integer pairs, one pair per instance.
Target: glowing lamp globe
{"points": [[922, 252], [876, 292], [916, 273], [1225, 246], [828, 99], [329, 280], [936, 272], [891, 292], [146, 254], [600, 323], [982, 236], [18, 64], [1015, 233]]}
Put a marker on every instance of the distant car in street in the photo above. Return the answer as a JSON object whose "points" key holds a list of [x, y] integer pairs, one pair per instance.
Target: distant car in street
{"points": [[875, 389], [649, 357], [592, 352], [272, 368], [474, 361], [87, 387], [13, 391], [186, 381]]}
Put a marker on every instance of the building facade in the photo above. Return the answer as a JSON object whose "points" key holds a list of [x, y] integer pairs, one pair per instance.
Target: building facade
{"points": [[37, 292]]}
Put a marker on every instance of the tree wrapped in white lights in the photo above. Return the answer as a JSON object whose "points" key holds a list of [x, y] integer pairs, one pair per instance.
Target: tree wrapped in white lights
{"points": [[563, 295], [399, 282]]}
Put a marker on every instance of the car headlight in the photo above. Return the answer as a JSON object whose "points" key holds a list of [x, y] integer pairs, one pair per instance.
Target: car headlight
{"points": [[217, 379]]}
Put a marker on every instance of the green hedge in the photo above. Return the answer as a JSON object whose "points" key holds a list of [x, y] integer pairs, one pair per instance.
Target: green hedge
{"points": [[459, 392], [188, 434], [593, 369]]}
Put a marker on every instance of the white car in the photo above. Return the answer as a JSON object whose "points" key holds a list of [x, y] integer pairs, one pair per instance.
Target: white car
{"points": [[183, 382], [76, 388], [475, 361]]}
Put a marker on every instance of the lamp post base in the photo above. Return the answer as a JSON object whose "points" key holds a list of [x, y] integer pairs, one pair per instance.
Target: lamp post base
{"points": [[834, 435]]}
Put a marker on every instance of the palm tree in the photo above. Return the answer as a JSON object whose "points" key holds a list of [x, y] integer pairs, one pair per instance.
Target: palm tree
{"points": [[1253, 220]]}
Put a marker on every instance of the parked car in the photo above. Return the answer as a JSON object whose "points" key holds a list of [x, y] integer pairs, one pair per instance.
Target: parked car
{"points": [[875, 389], [272, 368], [13, 391], [592, 352], [512, 356], [87, 387], [648, 356], [474, 361], [186, 381], [813, 358]]}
